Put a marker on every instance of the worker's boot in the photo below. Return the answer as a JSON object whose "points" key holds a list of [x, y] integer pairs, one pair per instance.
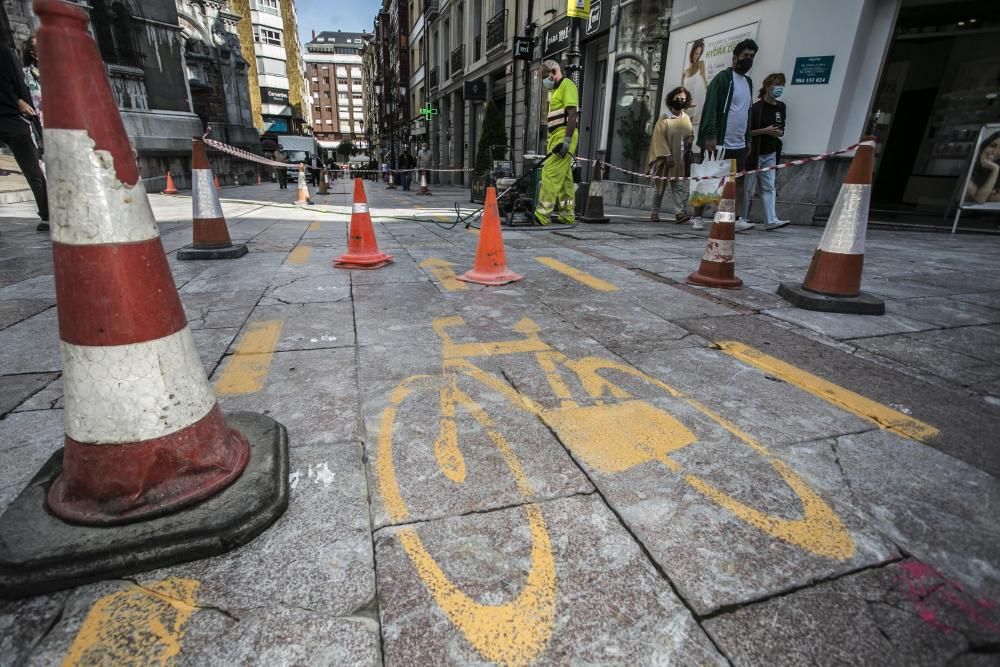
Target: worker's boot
{"points": [[657, 202]]}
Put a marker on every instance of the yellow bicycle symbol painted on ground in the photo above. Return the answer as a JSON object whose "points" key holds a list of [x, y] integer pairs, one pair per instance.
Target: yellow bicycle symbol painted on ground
{"points": [[612, 432]]}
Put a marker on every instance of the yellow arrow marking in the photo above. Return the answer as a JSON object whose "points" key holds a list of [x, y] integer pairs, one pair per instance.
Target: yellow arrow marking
{"points": [[314, 227], [845, 399], [578, 275], [140, 625], [441, 269], [299, 254], [248, 367]]}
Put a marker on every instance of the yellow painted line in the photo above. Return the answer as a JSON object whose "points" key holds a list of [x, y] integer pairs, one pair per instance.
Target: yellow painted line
{"points": [[248, 367], [441, 269], [139, 625], [472, 230], [578, 275], [299, 254], [314, 227], [882, 416]]}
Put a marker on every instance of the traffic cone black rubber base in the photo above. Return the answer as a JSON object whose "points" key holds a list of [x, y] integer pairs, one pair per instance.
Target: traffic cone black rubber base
{"points": [[40, 553], [862, 304], [595, 221], [234, 251]]}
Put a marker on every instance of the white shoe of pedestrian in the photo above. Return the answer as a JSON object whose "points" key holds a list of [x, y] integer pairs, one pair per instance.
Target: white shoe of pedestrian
{"points": [[776, 225], [697, 224], [744, 225]]}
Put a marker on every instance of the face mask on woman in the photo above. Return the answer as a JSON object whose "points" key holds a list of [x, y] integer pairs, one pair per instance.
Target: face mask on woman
{"points": [[777, 91], [678, 104]]}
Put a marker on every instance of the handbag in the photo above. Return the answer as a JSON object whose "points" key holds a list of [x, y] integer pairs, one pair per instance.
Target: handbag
{"points": [[712, 170]]}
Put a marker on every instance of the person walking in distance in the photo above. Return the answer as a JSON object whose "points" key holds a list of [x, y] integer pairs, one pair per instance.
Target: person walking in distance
{"points": [[281, 172], [725, 117], [16, 112], [669, 155], [556, 191], [406, 164], [767, 126]]}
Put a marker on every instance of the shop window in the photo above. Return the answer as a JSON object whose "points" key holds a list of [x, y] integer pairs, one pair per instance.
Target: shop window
{"points": [[115, 33]]}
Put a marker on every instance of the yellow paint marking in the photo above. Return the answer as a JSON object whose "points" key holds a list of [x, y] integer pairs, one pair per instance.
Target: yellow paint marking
{"points": [[472, 230], [140, 625], [441, 269], [547, 362], [300, 254], [578, 275], [248, 367], [314, 227], [452, 350], [882, 416]]}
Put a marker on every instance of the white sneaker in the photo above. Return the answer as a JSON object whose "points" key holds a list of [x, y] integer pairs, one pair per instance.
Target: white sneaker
{"points": [[744, 225], [778, 224], [697, 224]]}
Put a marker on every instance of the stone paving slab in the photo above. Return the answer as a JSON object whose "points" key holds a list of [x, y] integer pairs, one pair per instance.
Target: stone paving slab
{"points": [[31, 346], [844, 327], [574, 585], [219, 310], [953, 366], [15, 389], [944, 312], [309, 326], [30, 438], [978, 342]]}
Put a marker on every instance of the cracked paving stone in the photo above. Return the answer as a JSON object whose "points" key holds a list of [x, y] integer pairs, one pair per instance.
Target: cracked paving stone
{"points": [[14, 311], [902, 614], [309, 288], [310, 326], [219, 310], [587, 595], [30, 438], [15, 389], [24, 623], [31, 346]]}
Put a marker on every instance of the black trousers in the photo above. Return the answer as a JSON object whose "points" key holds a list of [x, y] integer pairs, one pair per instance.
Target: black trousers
{"points": [[16, 133]]}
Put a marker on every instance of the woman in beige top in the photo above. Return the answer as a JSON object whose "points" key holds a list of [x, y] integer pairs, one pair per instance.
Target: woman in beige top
{"points": [[669, 154]]}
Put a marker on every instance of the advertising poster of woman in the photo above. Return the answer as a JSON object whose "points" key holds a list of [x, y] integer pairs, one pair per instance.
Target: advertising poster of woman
{"points": [[982, 181]]}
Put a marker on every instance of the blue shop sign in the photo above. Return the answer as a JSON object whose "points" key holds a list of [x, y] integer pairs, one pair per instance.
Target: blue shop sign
{"points": [[812, 70]]}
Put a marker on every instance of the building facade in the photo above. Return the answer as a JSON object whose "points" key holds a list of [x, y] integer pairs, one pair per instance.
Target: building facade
{"points": [[334, 70], [268, 35], [369, 77], [391, 87]]}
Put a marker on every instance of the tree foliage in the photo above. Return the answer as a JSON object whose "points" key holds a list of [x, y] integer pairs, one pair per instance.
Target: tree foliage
{"points": [[494, 134]]}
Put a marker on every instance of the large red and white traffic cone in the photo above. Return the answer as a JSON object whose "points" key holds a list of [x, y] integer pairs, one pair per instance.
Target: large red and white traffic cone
{"points": [[151, 472], [302, 196], [833, 281], [208, 223]]}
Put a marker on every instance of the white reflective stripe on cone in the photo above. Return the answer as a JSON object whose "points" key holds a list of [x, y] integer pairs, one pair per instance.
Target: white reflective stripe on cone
{"points": [[724, 216], [719, 250], [359, 207], [129, 393], [89, 205], [845, 230], [205, 202]]}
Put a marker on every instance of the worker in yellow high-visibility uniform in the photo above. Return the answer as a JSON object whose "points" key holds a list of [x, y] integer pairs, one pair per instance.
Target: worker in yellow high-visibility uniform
{"points": [[556, 192]]}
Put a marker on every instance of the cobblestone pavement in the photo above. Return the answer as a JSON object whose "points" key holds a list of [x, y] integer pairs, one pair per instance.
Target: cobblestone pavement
{"points": [[596, 465]]}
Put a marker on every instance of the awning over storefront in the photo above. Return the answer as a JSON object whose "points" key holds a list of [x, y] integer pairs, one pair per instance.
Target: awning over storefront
{"points": [[327, 144]]}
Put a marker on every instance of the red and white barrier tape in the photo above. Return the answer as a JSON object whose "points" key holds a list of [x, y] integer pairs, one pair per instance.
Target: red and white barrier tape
{"points": [[783, 165]]}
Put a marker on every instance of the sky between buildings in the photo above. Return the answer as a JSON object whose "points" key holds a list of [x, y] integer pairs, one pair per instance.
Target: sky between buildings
{"points": [[346, 15]]}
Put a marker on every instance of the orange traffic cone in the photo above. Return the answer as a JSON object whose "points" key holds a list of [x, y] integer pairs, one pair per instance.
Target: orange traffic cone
{"points": [[424, 190], [211, 234], [258, 178], [593, 211], [215, 182], [717, 267], [302, 196], [151, 472], [490, 267], [170, 189], [323, 187], [362, 246], [833, 281]]}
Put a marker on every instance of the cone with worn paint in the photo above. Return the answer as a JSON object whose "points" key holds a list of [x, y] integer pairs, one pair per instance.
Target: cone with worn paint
{"points": [[215, 183], [362, 246], [424, 190], [209, 230], [718, 264], [833, 281], [490, 267], [323, 186], [302, 196], [258, 178], [152, 473], [170, 189], [593, 211]]}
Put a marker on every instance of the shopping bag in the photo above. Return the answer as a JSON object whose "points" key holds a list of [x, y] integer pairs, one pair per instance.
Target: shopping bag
{"points": [[712, 172]]}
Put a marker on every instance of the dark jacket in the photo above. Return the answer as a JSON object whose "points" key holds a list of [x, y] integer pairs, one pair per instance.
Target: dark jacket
{"points": [[715, 112], [12, 85]]}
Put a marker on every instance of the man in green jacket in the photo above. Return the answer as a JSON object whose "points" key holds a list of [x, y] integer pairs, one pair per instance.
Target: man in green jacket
{"points": [[725, 118]]}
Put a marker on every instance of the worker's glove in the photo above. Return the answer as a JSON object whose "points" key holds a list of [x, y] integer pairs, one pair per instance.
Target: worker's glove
{"points": [[563, 148]]}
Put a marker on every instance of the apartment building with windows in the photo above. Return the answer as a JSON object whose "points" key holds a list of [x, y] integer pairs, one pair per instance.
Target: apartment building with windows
{"points": [[337, 86], [392, 85]]}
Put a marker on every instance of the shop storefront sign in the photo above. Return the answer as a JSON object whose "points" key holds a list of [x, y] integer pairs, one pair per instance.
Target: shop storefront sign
{"points": [[812, 70], [578, 9], [475, 91], [555, 38], [273, 96], [981, 190], [522, 48], [594, 19]]}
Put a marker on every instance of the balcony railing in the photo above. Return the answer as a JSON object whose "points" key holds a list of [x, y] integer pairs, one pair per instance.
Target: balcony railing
{"points": [[434, 77], [431, 8], [496, 31], [458, 59]]}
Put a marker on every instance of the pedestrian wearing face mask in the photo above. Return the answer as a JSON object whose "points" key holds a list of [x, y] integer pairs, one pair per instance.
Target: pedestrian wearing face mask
{"points": [[725, 118], [669, 154], [556, 196], [767, 126]]}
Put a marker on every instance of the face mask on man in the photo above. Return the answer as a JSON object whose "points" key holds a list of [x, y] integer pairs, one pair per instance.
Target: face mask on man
{"points": [[777, 91], [548, 83], [743, 65]]}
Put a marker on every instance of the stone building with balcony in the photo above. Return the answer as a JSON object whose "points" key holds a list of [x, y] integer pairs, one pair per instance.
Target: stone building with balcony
{"points": [[391, 87], [337, 85]]}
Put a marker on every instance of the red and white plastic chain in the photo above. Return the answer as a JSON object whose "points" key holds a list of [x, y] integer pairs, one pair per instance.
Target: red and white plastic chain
{"points": [[783, 165]]}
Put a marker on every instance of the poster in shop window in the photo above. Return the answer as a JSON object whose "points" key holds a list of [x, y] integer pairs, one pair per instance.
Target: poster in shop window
{"points": [[982, 183], [706, 57]]}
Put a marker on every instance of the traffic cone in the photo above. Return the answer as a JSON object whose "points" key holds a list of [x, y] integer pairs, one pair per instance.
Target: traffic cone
{"points": [[215, 182], [593, 211], [258, 178], [211, 235], [490, 267], [323, 187], [302, 196], [717, 264], [423, 183], [151, 472], [170, 189], [833, 281], [362, 246], [392, 181]]}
